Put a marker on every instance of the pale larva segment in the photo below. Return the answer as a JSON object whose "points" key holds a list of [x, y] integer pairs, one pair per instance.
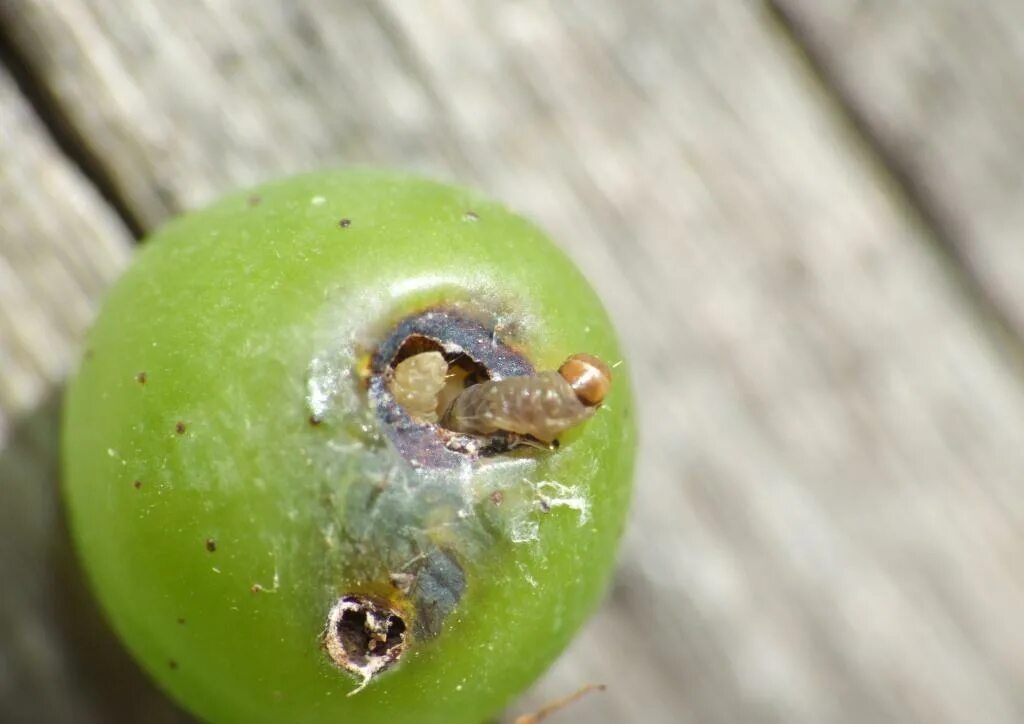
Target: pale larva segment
{"points": [[541, 405], [416, 383]]}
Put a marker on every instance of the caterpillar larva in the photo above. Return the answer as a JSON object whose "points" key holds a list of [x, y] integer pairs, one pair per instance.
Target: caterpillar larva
{"points": [[542, 405]]}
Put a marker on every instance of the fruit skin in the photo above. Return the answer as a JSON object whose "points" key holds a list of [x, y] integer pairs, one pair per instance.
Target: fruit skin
{"points": [[218, 525]]}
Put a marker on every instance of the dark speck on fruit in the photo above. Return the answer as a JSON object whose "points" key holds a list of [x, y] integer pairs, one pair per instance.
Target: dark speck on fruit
{"points": [[470, 216], [315, 420], [137, 484], [141, 378], [172, 663], [181, 621], [211, 545], [345, 223], [179, 427]]}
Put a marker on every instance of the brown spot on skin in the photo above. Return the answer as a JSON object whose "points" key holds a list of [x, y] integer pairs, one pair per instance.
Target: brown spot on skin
{"points": [[255, 588], [314, 420], [179, 427], [181, 621], [471, 216], [141, 378], [211, 545], [497, 497], [254, 200], [137, 484], [172, 663], [345, 223]]}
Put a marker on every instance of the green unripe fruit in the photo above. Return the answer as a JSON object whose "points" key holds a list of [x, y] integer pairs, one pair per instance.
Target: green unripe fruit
{"points": [[268, 529]]}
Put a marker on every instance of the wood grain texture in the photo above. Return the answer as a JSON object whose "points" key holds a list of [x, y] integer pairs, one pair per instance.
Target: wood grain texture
{"points": [[940, 86], [60, 246], [828, 515]]}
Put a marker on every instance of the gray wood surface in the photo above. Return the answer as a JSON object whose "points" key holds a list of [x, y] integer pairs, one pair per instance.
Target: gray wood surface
{"points": [[819, 295], [939, 86], [60, 246]]}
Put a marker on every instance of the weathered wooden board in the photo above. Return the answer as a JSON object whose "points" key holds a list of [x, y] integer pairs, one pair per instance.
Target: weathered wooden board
{"points": [[940, 86], [828, 513], [60, 246]]}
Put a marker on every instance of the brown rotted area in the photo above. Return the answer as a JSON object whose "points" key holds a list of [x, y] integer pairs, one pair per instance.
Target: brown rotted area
{"points": [[471, 347]]}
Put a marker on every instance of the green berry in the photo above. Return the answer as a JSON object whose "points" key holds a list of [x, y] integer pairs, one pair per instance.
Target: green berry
{"points": [[268, 528]]}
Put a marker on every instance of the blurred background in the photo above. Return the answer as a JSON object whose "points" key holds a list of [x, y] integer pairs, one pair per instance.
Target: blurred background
{"points": [[804, 216]]}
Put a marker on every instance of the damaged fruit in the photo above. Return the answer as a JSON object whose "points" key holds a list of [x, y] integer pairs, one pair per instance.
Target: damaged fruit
{"points": [[353, 446]]}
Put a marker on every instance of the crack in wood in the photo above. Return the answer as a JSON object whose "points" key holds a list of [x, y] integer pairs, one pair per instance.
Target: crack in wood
{"points": [[47, 106]]}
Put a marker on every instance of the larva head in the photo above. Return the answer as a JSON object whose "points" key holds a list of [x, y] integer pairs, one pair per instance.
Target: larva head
{"points": [[589, 377]]}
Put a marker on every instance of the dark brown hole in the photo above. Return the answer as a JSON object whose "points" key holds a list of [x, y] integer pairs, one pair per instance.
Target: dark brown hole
{"points": [[354, 637], [474, 352], [416, 344], [364, 636]]}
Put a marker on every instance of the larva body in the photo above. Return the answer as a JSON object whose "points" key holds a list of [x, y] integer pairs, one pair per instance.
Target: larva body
{"points": [[542, 405], [417, 382]]}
